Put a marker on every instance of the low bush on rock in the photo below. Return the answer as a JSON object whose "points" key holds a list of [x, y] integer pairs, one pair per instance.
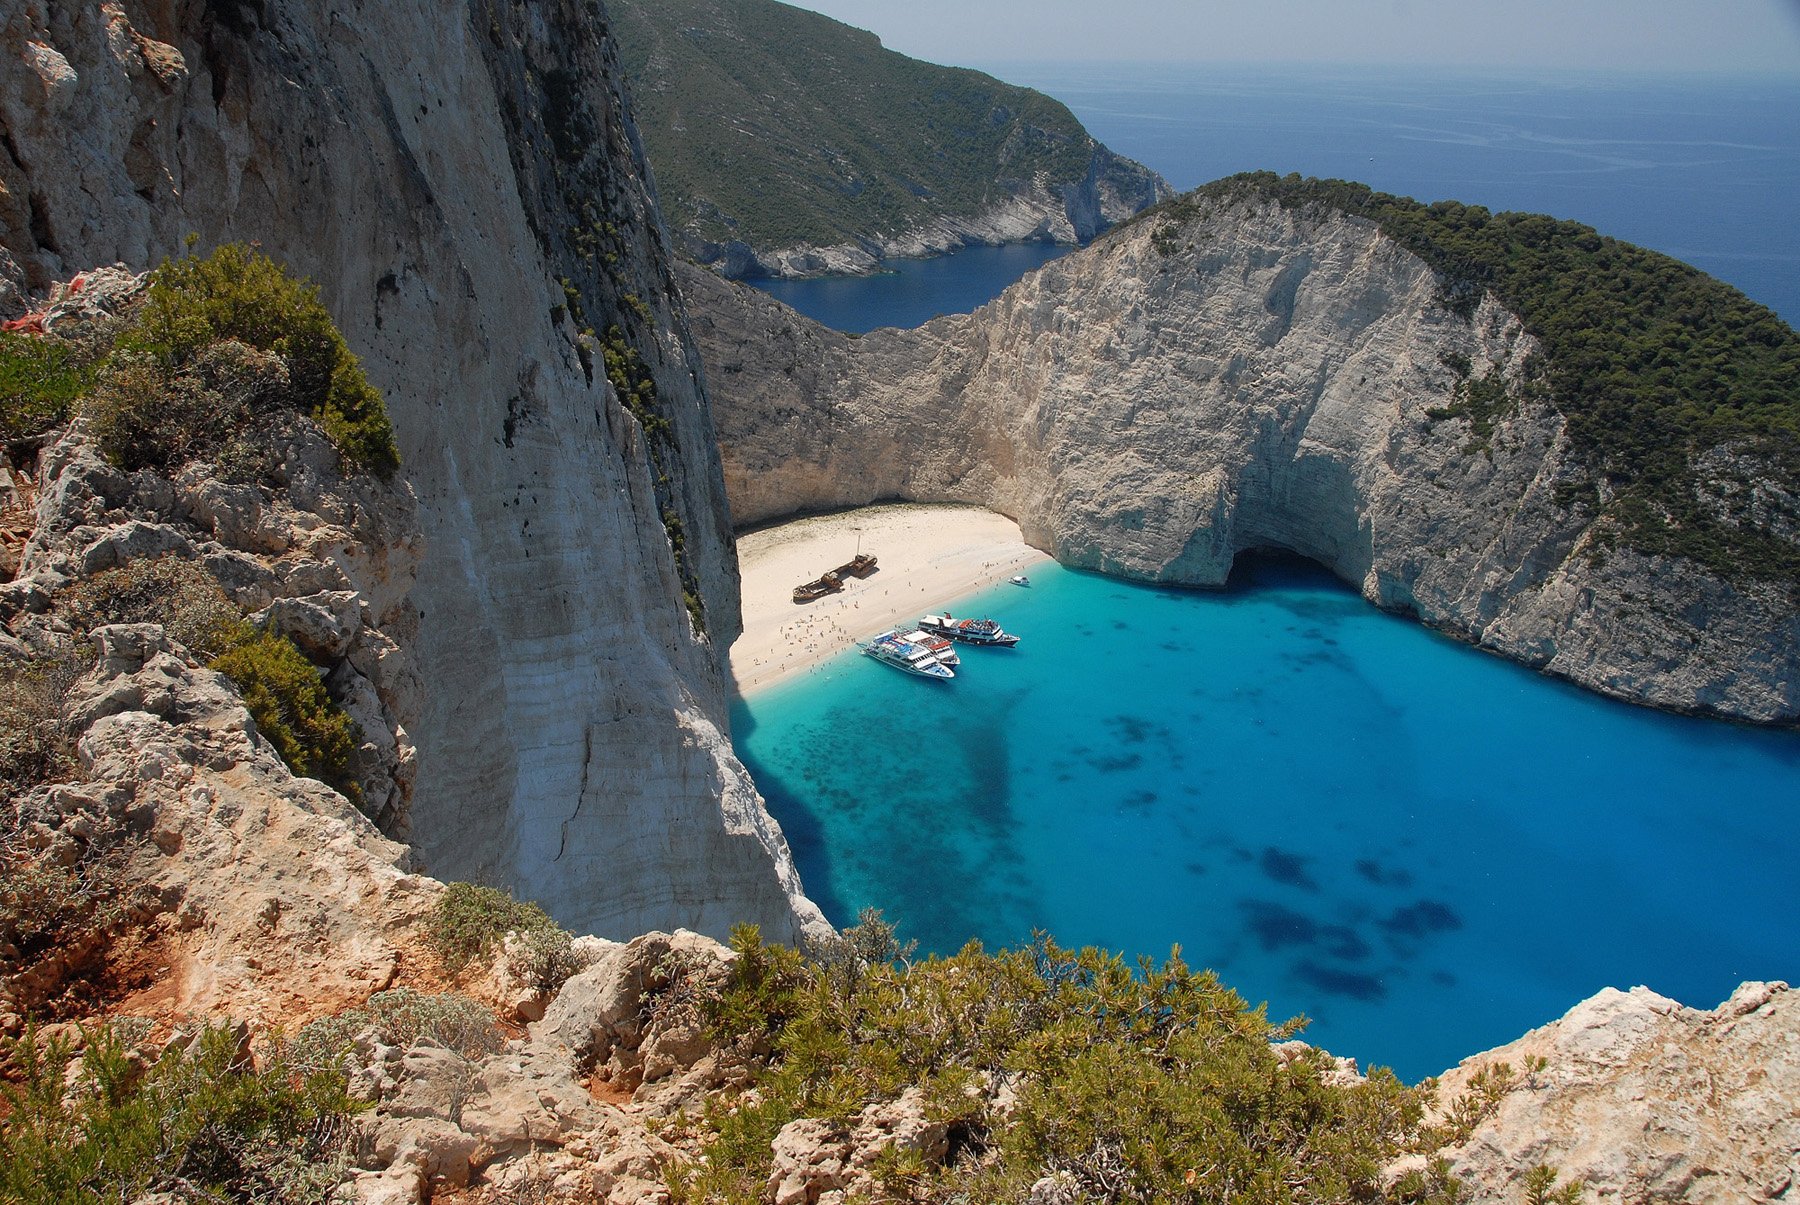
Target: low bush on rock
{"points": [[36, 745], [470, 922], [1147, 1083], [41, 378], [148, 414], [292, 709], [401, 1017], [178, 594], [202, 1123], [216, 348], [282, 689], [239, 296]]}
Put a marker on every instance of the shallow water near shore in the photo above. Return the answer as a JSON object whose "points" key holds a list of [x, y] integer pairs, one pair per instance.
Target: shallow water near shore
{"points": [[1426, 849]]}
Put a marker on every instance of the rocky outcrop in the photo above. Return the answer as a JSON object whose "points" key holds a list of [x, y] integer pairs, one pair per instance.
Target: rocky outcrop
{"points": [[1643, 1100], [466, 186], [272, 898], [1039, 210], [1250, 377]]}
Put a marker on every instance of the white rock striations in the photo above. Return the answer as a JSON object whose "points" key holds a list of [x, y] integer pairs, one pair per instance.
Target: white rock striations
{"points": [[466, 186], [1156, 404]]}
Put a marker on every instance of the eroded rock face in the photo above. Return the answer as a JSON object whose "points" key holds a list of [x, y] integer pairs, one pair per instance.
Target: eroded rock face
{"points": [[279, 898], [466, 186], [1151, 407], [1645, 1100], [324, 558]]}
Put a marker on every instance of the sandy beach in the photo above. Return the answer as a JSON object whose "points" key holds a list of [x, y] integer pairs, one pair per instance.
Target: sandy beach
{"points": [[926, 556]]}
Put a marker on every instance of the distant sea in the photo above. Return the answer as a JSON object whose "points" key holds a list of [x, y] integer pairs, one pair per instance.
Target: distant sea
{"points": [[1703, 168]]}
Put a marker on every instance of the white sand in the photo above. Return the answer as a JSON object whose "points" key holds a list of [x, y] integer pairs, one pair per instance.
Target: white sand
{"points": [[926, 556]]}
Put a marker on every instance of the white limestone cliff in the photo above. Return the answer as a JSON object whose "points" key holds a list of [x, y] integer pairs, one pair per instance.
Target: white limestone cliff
{"points": [[1159, 402], [465, 185]]}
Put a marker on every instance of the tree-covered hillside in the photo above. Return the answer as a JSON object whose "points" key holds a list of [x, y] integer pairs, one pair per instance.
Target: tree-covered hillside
{"points": [[1682, 395], [775, 126]]}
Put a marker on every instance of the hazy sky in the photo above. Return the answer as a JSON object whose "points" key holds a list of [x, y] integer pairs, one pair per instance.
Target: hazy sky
{"points": [[1659, 35]]}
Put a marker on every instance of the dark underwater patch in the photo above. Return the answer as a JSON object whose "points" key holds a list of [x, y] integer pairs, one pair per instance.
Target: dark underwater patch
{"points": [[1131, 729], [1383, 876], [1114, 765], [1352, 985], [1277, 927], [1421, 920], [1288, 869]]}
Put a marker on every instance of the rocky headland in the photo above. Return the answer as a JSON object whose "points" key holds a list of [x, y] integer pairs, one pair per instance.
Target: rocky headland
{"points": [[787, 144], [1245, 374]]}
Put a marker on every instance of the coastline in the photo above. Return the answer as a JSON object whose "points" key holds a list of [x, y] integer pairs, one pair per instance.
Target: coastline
{"points": [[927, 555]]}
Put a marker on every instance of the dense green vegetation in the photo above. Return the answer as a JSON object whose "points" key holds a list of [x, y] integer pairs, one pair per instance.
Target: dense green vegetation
{"points": [[104, 1127], [238, 294], [776, 126], [1148, 1084], [40, 381], [1652, 361], [217, 344], [295, 713]]}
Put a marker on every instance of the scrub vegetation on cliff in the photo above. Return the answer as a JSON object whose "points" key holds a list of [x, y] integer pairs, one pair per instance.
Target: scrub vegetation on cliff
{"points": [[281, 688], [1146, 1083], [774, 126], [1653, 363], [217, 345]]}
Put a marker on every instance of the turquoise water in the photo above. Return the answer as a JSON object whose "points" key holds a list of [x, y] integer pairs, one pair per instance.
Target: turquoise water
{"points": [[1426, 849]]}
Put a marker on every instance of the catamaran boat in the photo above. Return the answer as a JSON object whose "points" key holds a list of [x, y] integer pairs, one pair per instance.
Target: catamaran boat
{"points": [[944, 649], [969, 631], [890, 648]]}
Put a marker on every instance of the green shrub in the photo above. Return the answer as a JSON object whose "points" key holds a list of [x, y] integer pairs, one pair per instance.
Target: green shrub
{"points": [[178, 594], [399, 1018], [238, 294], [281, 688], [469, 923], [41, 377], [292, 709], [1146, 1083], [116, 1129]]}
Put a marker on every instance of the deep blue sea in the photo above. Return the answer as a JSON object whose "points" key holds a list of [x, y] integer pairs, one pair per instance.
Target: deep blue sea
{"points": [[1426, 849], [1704, 168], [913, 291]]}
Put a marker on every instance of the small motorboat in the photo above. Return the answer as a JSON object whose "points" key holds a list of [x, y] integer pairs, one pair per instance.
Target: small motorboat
{"points": [[1019, 579]]}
